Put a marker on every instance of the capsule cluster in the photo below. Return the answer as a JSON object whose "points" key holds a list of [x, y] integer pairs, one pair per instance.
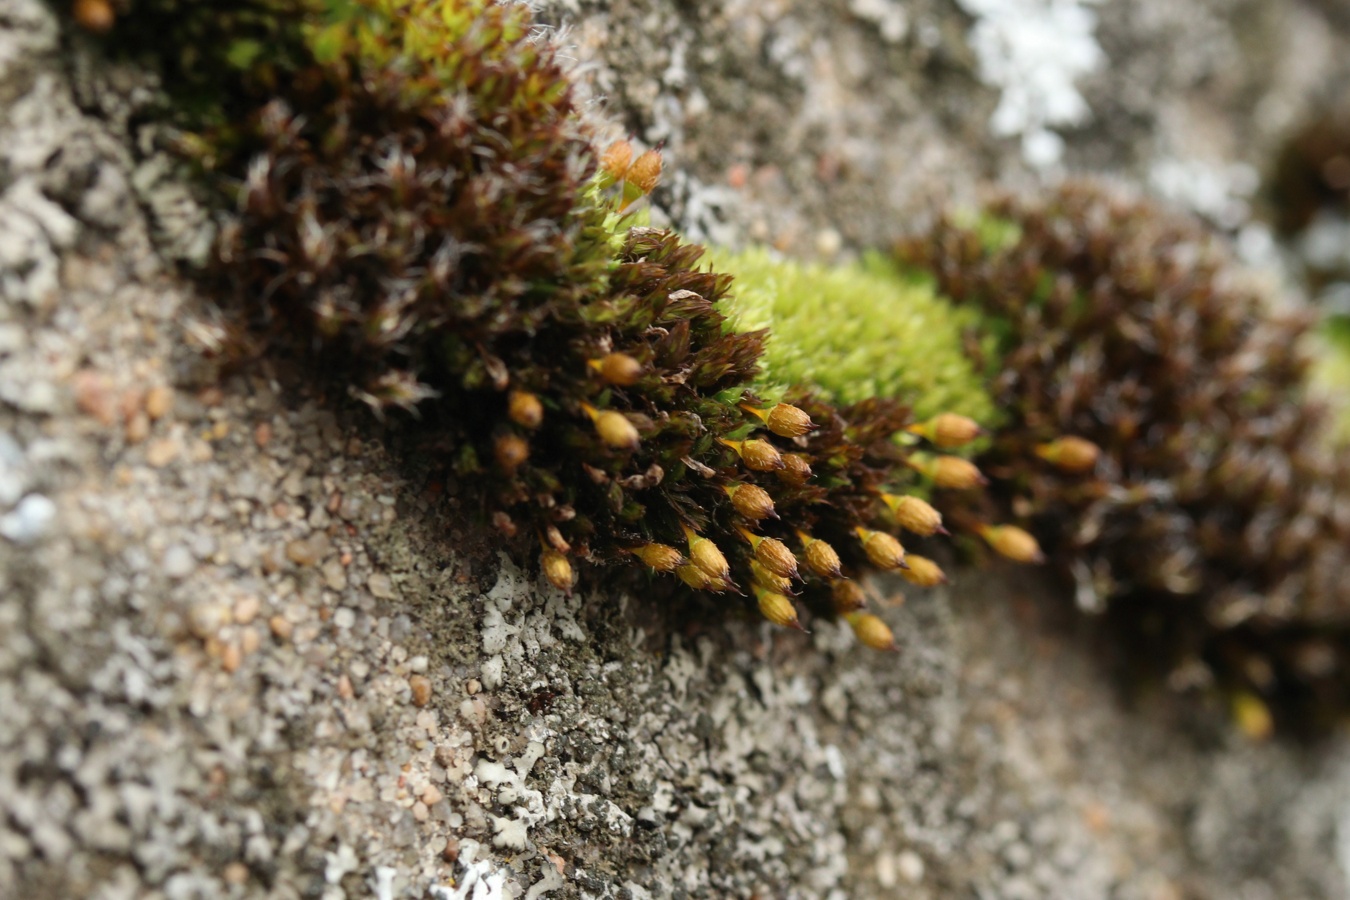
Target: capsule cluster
{"points": [[418, 209], [1159, 435]]}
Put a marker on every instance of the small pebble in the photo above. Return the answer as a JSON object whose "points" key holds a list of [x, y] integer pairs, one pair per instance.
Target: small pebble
{"points": [[158, 402], [131, 403], [138, 428], [281, 627], [420, 811], [344, 688], [246, 609], [249, 640], [432, 795], [911, 866], [206, 618], [380, 586], [161, 452], [29, 520], [94, 395], [421, 689], [303, 552], [334, 575], [344, 618], [178, 561], [472, 686], [262, 434], [235, 873], [451, 851], [231, 657]]}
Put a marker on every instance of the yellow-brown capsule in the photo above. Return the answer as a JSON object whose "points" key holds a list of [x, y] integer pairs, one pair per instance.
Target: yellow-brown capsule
{"points": [[557, 570], [751, 501], [777, 609], [914, 514], [1252, 716], [951, 472], [661, 557], [704, 554], [786, 420], [761, 456], [511, 451], [923, 571], [616, 159], [525, 409], [871, 631], [613, 427], [948, 430], [645, 172], [820, 556], [1012, 542], [771, 580], [1070, 454], [847, 596], [696, 578], [773, 553], [618, 369], [883, 550], [97, 16], [796, 470]]}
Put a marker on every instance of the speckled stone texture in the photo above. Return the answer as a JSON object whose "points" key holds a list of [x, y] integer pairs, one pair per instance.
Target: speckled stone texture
{"points": [[247, 649]]}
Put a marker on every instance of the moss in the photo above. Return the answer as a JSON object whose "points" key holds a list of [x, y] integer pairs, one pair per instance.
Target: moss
{"points": [[1161, 437], [1331, 375], [412, 203], [858, 331]]}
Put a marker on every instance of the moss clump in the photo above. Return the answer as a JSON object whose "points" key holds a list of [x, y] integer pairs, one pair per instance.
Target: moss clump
{"points": [[858, 331], [1202, 502], [417, 207]]}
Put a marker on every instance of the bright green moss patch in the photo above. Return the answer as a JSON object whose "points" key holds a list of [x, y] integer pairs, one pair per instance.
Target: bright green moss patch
{"points": [[857, 331], [1331, 374]]}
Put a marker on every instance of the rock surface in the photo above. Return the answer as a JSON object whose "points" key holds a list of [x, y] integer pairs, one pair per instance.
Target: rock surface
{"points": [[247, 649]]}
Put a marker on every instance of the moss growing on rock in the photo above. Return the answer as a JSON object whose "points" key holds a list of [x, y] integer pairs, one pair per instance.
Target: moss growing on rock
{"points": [[1209, 510], [859, 331], [419, 210]]}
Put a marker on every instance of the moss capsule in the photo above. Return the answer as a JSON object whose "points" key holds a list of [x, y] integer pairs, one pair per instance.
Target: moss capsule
{"points": [[645, 172], [796, 470], [525, 409], [613, 428], [661, 557], [950, 472], [786, 420], [820, 557], [557, 570], [948, 430], [1070, 454], [778, 609], [510, 451], [923, 571], [871, 631], [1012, 542], [618, 369], [751, 501], [884, 551], [914, 514], [847, 596]]}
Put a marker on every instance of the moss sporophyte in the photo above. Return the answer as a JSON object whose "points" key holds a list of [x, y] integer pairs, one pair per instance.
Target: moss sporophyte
{"points": [[409, 195]]}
